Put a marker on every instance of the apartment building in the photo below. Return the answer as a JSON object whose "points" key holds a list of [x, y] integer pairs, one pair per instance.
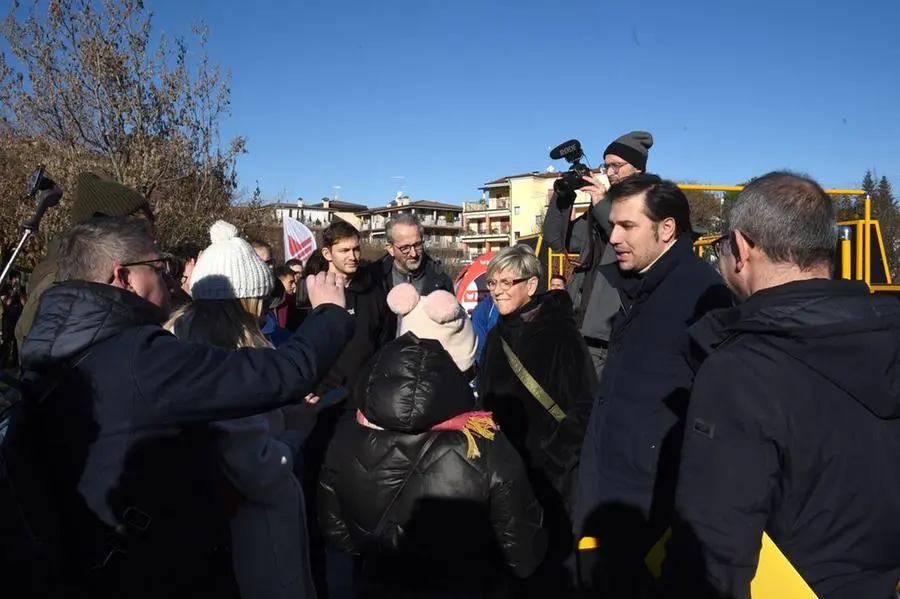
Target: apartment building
{"points": [[442, 222], [510, 207], [320, 215]]}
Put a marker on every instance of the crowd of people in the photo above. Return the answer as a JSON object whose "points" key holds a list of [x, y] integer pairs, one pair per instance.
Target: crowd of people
{"points": [[220, 425]]}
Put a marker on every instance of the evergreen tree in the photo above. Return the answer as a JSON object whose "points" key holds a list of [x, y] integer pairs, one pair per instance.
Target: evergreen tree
{"points": [[884, 208], [868, 184]]}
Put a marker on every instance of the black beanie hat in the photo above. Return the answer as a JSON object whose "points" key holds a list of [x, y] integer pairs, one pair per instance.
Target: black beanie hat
{"points": [[94, 195], [632, 148]]}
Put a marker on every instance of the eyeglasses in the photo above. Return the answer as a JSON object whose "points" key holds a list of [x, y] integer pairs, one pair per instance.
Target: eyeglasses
{"points": [[164, 265], [504, 284], [614, 166], [405, 249]]}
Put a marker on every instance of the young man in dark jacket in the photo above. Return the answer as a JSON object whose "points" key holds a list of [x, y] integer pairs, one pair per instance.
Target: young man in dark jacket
{"points": [[128, 450], [365, 302], [794, 421], [630, 455], [367, 305]]}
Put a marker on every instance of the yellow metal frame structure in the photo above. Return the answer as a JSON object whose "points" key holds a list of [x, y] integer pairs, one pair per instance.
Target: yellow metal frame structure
{"points": [[862, 239]]}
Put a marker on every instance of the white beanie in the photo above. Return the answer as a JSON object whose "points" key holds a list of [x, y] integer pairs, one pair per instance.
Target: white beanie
{"points": [[437, 316], [229, 268]]}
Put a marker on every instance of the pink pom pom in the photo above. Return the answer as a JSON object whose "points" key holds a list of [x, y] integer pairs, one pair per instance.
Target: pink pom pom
{"points": [[441, 307], [402, 299]]}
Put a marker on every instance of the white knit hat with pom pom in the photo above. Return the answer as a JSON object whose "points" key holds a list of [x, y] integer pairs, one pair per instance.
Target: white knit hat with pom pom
{"points": [[229, 268], [437, 316]]}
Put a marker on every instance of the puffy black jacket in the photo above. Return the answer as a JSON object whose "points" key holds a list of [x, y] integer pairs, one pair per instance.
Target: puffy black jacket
{"points": [[427, 520], [128, 430], [793, 428]]}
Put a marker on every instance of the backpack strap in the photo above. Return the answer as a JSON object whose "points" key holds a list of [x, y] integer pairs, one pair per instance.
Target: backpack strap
{"points": [[531, 384]]}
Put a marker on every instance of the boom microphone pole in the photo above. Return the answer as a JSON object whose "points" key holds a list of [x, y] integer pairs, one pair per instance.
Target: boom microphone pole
{"points": [[48, 195]]}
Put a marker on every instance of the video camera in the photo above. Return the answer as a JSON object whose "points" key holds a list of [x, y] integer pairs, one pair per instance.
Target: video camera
{"points": [[571, 180], [42, 188]]}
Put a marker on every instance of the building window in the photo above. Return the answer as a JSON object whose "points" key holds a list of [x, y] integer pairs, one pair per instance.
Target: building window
{"points": [[517, 210]]}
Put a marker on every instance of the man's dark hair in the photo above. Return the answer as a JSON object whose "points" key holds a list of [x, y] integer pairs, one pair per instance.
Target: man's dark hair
{"points": [[663, 199], [184, 253], [293, 262], [337, 231], [187, 251], [315, 264], [559, 277], [282, 271], [789, 217]]}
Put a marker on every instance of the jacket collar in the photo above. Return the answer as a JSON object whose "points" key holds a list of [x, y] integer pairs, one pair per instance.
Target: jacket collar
{"points": [[636, 286], [792, 306]]}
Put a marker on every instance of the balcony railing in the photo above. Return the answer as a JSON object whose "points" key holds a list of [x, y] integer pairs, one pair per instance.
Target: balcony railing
{"points": [[442, 222], [490, 204], [502, 229], [442, 243], [378, 225]]}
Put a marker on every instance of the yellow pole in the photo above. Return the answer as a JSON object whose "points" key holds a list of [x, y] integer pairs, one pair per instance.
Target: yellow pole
{"points": [[700, 187], [867, 242], [846, 252], [859, 252]]}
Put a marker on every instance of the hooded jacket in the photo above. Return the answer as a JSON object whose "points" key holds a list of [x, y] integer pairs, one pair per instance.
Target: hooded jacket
{"points": [[426, 519], [793, 428], [133, 455]]}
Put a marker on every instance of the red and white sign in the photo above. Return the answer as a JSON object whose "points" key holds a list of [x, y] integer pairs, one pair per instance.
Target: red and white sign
{"points": [[471, 285], [299, 241]]}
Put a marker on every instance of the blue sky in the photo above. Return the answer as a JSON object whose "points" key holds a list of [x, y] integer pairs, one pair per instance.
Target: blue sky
{"points": [[449, 94]]}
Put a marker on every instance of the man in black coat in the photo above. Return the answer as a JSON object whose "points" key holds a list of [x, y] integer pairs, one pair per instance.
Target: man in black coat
{"points": [[794, 421], [128, 450], [630, 454]]}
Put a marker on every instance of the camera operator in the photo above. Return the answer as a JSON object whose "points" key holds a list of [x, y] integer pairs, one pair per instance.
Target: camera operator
{"points": [[596, 301], [93, 197]]}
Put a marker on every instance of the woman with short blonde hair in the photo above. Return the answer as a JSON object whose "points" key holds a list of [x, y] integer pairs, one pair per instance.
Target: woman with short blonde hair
{"points": [[536, 376]]}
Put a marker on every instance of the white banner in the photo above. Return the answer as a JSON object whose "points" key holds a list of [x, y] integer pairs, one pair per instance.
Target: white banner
{"points": [[299, 241]]}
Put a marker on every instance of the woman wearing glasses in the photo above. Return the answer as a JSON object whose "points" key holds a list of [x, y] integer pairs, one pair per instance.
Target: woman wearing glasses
{"points": [[537, 377]]}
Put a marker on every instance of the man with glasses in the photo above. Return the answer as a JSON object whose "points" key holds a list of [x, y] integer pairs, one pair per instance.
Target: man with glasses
{"points": [[407, 261], [793, 427], [596, 302], [92, 197], [124, 408]]}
